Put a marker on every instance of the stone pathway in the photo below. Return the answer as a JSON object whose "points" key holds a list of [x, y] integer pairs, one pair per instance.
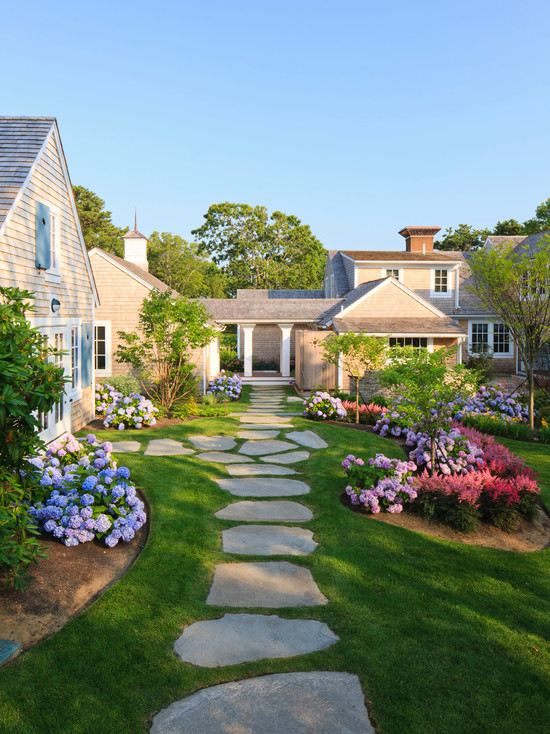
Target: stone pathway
{"points": [[289, 703], [166, 447]]}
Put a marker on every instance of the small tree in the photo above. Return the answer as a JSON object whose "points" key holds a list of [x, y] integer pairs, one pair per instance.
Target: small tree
{"points": [[428, 387], [513, 282], [30, 385], [357, 354], [160, 350]]}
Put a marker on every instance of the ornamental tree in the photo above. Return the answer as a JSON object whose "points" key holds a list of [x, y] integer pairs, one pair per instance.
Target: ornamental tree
{"points": [[30, 385], [428, 386], [160, 350], [513, 282], [358, 354]]}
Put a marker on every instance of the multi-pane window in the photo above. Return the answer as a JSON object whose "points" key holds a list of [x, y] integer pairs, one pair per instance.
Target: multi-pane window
{"points": [[100, 347], [489, 337], [501, 339], [392, 273], [409, 341], [75, 358], [480, 338], [441, 281]]}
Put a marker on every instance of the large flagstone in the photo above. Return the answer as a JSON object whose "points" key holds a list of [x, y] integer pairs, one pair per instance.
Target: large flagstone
{"points": [[307, 438], [268, 540], [166, 447], [221, 457], [284, 703], [292, 457], [240, 638], [255, 448], [258, 435], [253, 418], [264, 487], [126, 447], [271, 511], [270, 584], [265, 426], [295, 399], [213, 443], [250, 470]]}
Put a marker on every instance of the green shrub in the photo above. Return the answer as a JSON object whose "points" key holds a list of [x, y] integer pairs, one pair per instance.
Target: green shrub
{"points": [[125, 384], [447, 509], [498, 427], [229, 361]]}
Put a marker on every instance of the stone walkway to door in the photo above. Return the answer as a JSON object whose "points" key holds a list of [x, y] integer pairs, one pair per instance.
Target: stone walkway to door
{"points": [[262, 469]]}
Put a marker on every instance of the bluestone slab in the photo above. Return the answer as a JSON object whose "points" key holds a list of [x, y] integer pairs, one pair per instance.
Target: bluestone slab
{"points": [[213, 443], [266, 426], [221, 457], [252, 418], [255, 448], [292, 457], [126, 447], [307, 438], [250, 470], [264, 487], [273, 511], [268, 540], [258, 435], [166, 447]]}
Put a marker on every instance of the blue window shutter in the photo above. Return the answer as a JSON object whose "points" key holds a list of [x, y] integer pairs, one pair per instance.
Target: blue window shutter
{"points": [[43, 236], [87, 350]]}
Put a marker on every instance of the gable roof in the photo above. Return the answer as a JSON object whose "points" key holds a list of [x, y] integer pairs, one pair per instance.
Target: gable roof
{"points": [[134, 271], [400, 326], [22, 139], [295, 310], [400, 256]]}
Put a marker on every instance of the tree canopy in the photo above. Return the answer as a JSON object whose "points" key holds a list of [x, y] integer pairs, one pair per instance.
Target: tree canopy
{"points": [[464, 237], [96, 222], [256, 249], [180, 265]]}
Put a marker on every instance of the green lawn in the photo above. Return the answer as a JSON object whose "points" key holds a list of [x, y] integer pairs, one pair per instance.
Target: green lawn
{"points": [[446, 638]]}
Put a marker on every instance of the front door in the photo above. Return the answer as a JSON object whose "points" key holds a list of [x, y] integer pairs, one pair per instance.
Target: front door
{"points": [[58, 420]]}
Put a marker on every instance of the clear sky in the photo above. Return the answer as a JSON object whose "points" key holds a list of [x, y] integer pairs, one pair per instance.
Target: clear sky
{"points": [[358, 117]]}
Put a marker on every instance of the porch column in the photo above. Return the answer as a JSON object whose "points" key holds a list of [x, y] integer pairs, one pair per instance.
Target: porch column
{"points": [[214, 357], [286, 330], [248, 330], [238, 341], [340, 378]]}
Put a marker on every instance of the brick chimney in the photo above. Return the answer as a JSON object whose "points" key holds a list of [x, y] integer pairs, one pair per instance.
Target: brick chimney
{"points": [[419, 239], [135, 247]]}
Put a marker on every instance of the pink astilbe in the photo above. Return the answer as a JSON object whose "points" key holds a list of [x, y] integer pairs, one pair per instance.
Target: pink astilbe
{"points": [[466, 487], [499, 460], [369, 408]]}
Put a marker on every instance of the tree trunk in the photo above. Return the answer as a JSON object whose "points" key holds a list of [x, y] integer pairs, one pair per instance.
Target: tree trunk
{"points": [[432, 450], [531, 379], [357, 400]]}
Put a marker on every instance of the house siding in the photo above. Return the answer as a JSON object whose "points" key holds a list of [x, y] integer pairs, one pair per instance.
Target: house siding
{"points": [[389, 301]]}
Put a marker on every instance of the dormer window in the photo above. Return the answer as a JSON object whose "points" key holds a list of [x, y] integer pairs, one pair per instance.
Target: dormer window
{"points": [[441, 283]]}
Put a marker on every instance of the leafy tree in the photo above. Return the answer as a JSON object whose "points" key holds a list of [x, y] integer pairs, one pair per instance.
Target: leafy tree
{"points": [[357, 354], [509, 227], [260, 250], [160, 350], [464, 237], [541, 221], [30, 385], [428, 386], [514, 284], [96, 223], [179, 264]]}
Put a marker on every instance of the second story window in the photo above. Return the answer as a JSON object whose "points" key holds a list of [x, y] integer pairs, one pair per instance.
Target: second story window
{"points": [[441, 281], [392, 273]]}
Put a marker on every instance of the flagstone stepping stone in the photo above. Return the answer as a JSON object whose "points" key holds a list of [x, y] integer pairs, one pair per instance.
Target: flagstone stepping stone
{"points": [[307, 438], [240, 638], [255, 448], [126, 447], [258, 435], [269, 584], [213, 443], [166, 447], [267, 419], [264, 487], [221, 457], [268, 540], [291, 703], [292, 457], [295, 399], [8, 650], [250, 470], [276, 510]]}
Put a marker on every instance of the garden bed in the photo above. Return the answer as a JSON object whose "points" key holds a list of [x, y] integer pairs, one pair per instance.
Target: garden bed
{"points": [[62, 585]]}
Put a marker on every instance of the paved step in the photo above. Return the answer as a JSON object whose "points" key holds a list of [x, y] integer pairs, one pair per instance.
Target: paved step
{"points": [[262, 419], [213, 443], [166, 447], [126, 447], [272, 511], [250, 470], [268, 540], [254, 426], [292, 457], [258, 435], [284, 703], [307, 438], [264, 487], [256, 448], [270, 584], [221, 457], [241, 638]]}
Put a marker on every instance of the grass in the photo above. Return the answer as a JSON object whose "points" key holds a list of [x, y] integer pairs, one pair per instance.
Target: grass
{"points": [[445, 637]]}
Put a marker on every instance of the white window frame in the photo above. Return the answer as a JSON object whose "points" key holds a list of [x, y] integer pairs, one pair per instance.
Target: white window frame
{"points": [[53, 274], [384, 274], [441, 294], [490, 339], [108, 362]]}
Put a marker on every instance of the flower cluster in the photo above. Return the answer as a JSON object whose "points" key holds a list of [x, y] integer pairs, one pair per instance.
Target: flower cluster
{"points": [[130, 411], [225, 386], [379, 484], [368, 412], [492, 402], [323, 406], [454, 453], [498, 459], [105, 396], [86, 495]]}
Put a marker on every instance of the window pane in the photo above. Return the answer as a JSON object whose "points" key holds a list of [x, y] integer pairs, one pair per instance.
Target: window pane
{"points": [[441, 281], [100, 348], [501, 339], [75, 357], [392, 273], [480, 338], [409, 341]]}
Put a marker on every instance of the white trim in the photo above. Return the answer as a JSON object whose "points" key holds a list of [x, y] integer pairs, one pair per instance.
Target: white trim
{"points": [[75, 392], [253, 322], [400, 273], [284, 353], [248, 331], [107, 372], [445, 294], [417, 263]]}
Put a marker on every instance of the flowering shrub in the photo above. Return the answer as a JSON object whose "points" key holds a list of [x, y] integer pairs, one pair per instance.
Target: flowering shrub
{"points": [[105, 397], [85, 495], [130, 411], [322, 406], [498, 459], [490, 401], [225, 386], [379, 484], [368, 413], [454, 453]]}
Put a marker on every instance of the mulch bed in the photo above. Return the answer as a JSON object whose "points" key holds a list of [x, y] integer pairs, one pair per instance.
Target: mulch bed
{"points": [[62, 585]]}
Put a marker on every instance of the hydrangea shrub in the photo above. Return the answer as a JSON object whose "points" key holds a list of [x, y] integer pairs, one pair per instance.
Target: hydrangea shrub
{"points": [[380, 484], [105, 397], [225, 386], [86, 496], [130, 411], [490, 401], [322, 406]]}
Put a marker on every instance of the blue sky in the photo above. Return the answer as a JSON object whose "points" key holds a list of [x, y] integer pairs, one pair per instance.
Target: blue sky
{"points": [[359, 117]]}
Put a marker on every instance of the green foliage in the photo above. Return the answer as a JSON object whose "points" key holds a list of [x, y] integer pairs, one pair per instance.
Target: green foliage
{"points": [[97, 226], [464, 237], [483, 365], [509, 429], [256, 249], [125, 384], [161, 348], [229, 361], [29, 386], [179, 264], [541, 221], [358, 354], [508, 227], [447, 509]]}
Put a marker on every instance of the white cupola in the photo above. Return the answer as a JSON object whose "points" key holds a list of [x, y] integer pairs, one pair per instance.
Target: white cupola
{"points": [[135, 247]]}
